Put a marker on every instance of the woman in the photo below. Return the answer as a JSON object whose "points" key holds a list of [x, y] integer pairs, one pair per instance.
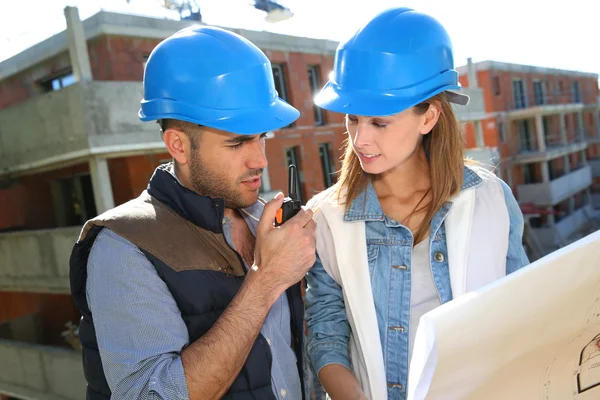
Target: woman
{"points": [[408, 226]]}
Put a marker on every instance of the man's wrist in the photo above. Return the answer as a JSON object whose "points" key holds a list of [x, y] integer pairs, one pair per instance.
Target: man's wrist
{"points": [[260, 288]]}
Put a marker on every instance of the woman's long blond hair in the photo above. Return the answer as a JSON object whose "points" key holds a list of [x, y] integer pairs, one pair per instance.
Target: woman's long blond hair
{"points": [[444, 145]]}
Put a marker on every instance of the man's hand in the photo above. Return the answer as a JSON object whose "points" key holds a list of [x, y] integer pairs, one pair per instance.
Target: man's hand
{"points": [[283, 254]]}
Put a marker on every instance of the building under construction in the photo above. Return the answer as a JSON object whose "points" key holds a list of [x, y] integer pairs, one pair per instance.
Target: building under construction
{"points": [[544, 124]]}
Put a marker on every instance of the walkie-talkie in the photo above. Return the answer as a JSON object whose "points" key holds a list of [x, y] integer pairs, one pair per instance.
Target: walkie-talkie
{"points": [[291, 204]]}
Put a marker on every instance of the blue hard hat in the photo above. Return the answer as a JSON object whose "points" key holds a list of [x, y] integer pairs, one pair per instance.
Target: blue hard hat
{"points": [[397, 60], [216, 78]]}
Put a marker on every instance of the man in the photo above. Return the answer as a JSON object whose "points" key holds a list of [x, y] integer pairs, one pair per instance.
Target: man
{"points": [[189, 291]]}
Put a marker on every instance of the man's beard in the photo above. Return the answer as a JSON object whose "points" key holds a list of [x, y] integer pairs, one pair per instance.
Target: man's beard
{"points": [[209, 182]]}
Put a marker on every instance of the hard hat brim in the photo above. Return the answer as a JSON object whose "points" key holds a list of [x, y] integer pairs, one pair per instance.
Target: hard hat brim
{"points": [[277, 115], [457, 98], [368, 103]]}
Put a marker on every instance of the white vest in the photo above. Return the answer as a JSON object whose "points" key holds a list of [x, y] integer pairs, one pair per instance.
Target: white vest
{"points": [[477, 231]]}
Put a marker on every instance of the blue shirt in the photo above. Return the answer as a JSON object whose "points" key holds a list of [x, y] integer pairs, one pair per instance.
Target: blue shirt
{"points": [[139, 327], [389, 243]]}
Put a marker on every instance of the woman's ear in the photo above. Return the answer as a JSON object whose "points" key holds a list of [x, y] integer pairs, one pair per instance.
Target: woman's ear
{"points": [[431, 117]]}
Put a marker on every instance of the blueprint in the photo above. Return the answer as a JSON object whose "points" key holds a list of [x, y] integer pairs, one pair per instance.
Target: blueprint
{"points": [[534, 334]]}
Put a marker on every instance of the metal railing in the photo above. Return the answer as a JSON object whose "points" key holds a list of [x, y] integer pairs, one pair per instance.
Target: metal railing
{"points": [[517, 102]]}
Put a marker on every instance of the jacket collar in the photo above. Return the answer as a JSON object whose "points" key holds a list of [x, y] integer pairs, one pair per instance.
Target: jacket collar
{"points": [[203, 211], [366, 206]]}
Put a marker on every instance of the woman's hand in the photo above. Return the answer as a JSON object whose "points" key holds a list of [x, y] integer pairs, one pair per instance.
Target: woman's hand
{"points": [[340, 383]]}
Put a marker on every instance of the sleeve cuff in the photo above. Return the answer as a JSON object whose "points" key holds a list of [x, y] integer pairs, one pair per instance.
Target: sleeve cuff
{"points": [[170, 381], [329, 353]]}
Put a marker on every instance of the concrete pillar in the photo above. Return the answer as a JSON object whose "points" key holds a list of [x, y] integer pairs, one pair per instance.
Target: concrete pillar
{"points": [[508, 130], [539, 130], [571, 205], [479, 142], [103, 195], [563, 129], [580, 126], [78, 52], [471, 73], [545, 172], [266, 182], [507, 175], [550, 217], [584, 158]]}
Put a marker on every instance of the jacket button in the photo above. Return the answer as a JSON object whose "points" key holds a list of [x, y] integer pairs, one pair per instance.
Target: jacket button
{"points": [[404, 267], [397, 328], [439, 257]]}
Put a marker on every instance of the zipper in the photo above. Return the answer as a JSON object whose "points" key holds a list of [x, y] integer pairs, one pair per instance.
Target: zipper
{"points": [[221, 214]]}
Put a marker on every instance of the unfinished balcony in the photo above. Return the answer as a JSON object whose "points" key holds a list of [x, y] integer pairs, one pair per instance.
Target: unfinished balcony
{"points": [[36, 261], [546, 109], [547, 194], [554, 148], [546, 138], [36, 372], [69, 126], [567, 229], [521, 107]]}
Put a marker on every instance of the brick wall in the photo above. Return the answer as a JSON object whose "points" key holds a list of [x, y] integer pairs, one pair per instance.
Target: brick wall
{"points": [[119, 58], [112, 58], [25, 84], [558, 89]]}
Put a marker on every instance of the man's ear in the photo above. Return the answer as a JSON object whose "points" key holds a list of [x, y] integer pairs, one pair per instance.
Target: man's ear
{"points": [[178, 145]]}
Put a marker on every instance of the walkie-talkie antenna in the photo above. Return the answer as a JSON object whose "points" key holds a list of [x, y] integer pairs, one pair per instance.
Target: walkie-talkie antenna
{"points": [[291, 204], [293, 182]]}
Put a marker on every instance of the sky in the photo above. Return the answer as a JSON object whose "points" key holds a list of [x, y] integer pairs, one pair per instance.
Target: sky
{"points": [[563, 35]]}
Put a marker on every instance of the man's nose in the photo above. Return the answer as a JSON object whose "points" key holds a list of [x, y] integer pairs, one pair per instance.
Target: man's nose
{"points": [[258, 158]]}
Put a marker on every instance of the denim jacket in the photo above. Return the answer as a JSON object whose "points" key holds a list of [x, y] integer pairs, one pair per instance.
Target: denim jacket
{"points": [[390, 244]]}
